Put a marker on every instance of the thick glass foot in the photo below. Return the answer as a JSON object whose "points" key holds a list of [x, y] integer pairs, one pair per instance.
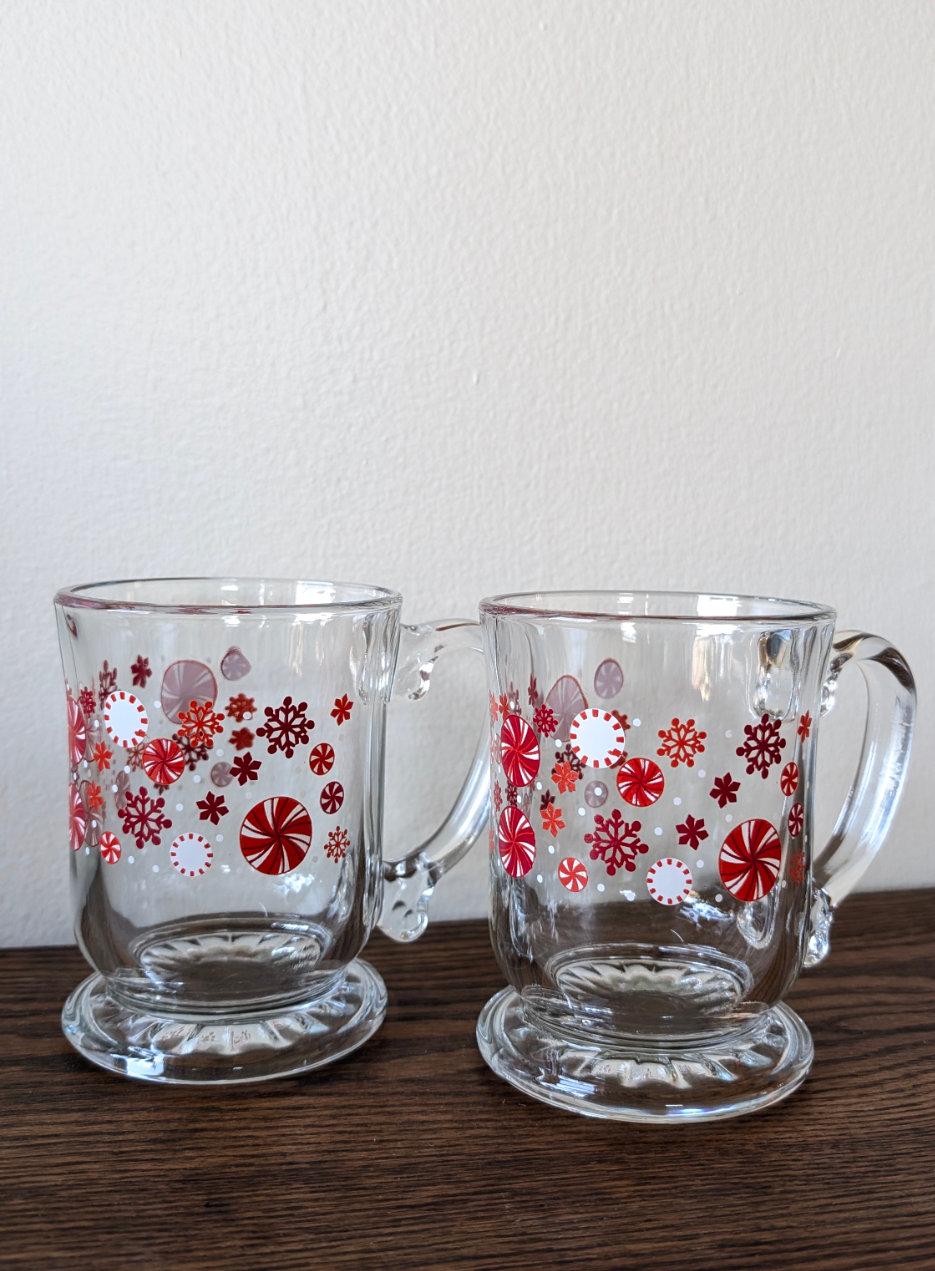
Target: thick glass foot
{"points": [[117, 1035], [638, 1081]]}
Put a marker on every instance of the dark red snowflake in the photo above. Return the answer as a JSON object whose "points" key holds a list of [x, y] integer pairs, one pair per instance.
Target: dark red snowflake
{"points": [[724, 790], [691, 833], [805, 726], [192, 754], [616, 842], [242, 739], [545, 721], [511, 795], [763, 746], [546, 801], [212, 807], [87, 701], [342, 709], [568, 756], [512, 700], [681, 743], [497, 797], [245, 768], [106, 683], [143, 819], [533, 692], [241, 707], [337, 843], [140, 671], [286, 727], [135, 757]]}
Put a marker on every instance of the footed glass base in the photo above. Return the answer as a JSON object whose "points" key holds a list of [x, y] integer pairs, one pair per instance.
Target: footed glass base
{"points": [[235, 1048], [637, 1080]]}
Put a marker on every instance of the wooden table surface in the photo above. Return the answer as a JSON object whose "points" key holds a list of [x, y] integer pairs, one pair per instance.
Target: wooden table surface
{"points": [[410, 1153]]}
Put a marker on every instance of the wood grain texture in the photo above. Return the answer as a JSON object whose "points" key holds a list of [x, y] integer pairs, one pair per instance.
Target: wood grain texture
{"points": [[412, 1154]]}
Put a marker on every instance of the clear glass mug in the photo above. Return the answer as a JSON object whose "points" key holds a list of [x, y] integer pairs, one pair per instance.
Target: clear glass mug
{"points": [[655, 887], [226, 753]]}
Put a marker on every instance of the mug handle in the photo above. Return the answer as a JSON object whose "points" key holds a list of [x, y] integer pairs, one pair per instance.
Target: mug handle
{"points": [[408, 883], [872, 800]]}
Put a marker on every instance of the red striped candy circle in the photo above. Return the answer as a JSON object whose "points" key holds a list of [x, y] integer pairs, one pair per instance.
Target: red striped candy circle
{"points": [[77, 819], [749, 860], [789, 780], [321, 759], [796, 819], [191, 854], [77, 732], [573, 874], [517, 841], [597, 738], [110, 847], [519, 751], [276, 835], [163, 761], [669, 881], [640, 782]]}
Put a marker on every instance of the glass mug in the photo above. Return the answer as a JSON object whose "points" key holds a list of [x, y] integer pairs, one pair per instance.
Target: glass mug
{"points": [[655, 888], [226, 747]]}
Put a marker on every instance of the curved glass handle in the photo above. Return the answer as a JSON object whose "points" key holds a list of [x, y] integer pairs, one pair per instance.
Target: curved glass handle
{"points": [[874, 794], [408, 883]]}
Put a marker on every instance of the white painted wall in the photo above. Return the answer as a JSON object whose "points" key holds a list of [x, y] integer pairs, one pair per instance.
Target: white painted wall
{"points": [[460, 298]]}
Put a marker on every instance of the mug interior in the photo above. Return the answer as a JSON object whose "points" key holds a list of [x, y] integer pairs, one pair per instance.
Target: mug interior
{"points": [[206, 594], [677, 606]]}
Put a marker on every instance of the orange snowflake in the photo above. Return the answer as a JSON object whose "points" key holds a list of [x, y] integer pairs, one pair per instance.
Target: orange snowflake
{"points": [[552, 819], [200, 723], [102, 756], [565, 777]]}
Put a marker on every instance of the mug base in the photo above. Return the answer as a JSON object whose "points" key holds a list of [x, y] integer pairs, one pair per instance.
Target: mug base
{"points": [[229, 1050], [627, 1081]]}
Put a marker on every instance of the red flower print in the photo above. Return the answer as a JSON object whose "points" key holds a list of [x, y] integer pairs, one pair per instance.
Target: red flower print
{"points": [[241, 707], [102, 756], [212, 807], [242, 739], [504, 706], [681, 743], [724, 790], [342, 709], [494, 708], [200, 723], [245, 768], [805, 726], [691, 833], [95, 797], [552, 819], [545, 721], [565, 778], [87, 701], [140, 671]]}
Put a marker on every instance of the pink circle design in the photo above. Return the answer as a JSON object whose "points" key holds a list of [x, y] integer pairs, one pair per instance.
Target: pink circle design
{"points": [[221, 775], [573, 874], [186, 682], [191, 854], [77, 819], [595, 794], [125, 719], [669, 881], [796, 819], [110, 848], [517, 841], [77, 732], [640, 782], [789, 780], [276, 834], [519, 751], [234, 665], [321, 760], [332, 797], [566, 700], [749, 860], [163, 761], [597, 737], [608, 679]]}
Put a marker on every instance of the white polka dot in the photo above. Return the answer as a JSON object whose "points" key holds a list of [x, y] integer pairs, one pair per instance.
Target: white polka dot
{"points": [[581, 812], [180, 807], [87, 851], [657, 830], [719, 898], [84, 763], [538, 784], [551, 850], [637, 722], [197, 780], [219, 752], [702, 773], [131, 859], [677, 801], [155, 869], [114, 789], [219, 838], [628, 895], [729, 733], [728, 818], [94, 825], [700, 864], [127, 769], [783, 883], [600, 886], [157, 705], [538, 878]]}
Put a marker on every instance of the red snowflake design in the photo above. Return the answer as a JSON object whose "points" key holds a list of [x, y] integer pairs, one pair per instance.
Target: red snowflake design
{"points": [[519, 750], [212, 808], [517, 843], [245, 768], [616, 842], [494, 709], [511, 795], [140, 671], [135, 756], [805, 726], [102, 756], [163, 761], [724, 790], [87, 702], [106, 683], [640, 782], [749, 860], [77, 819], [337, 843], [533, 691], [332, 797], [200, 723], [143, 819], [763, 746], [497, 797], [796, 819], [503, 706], [552, 819], [77, 732], [547, 799], [568, 756], [241, 707], [691, 833], [797, 867], [565, 777], [321, 760], [545, 721], [789, 780], [194, 754], [242, 739], [342, 709], [681, 743], [286, 727], [95, 797], [275, 835]]}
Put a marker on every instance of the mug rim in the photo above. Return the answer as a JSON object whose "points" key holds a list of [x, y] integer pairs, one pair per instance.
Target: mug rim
{"points": [[370, 597], [719, 607]]}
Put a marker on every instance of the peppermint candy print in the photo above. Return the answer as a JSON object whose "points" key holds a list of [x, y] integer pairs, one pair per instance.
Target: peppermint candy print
{"points": [[110, 848], [669, 881], [332, 797], [566, 700], [597, 737], [186, 682], [77, 819], [234, 665], [519, 750], [796, 819], [191, 854], [608, 679], [321, 759], [125, 719], [163, 761], [517, 842], [276, 834], [749, 860], [77, 732], [573, 874], [640, 782], [789, 780]]}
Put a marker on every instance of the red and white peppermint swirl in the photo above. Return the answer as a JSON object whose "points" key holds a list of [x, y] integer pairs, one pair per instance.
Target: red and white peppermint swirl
{"points": [[163, 761], [749, 860], [565, 699], [519, 751], [789, 780], [77, 732], [110, 847], [517, 842], [573, 874], [640, 782], [669, 881], [186, 682], [125, 719], [332, 797], [597, 738], [276, 834], [321, 759], [77, 819], [191, 854], [796, 819]]}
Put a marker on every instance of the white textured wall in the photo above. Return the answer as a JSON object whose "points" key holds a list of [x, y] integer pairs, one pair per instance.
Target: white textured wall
{"points": [[460, 298]]}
